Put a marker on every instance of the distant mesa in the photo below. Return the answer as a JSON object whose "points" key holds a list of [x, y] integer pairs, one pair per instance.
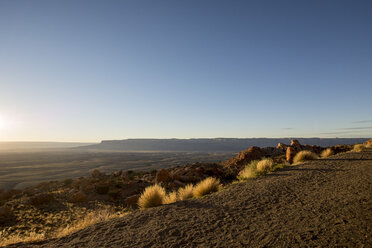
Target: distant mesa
{"points": [[212, 145]]}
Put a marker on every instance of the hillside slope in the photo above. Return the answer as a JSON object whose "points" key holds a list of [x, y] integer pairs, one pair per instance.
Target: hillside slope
{"points": [[325, 202]]}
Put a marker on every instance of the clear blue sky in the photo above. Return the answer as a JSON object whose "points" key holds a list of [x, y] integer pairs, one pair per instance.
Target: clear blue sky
{"points": [[94, 70]]}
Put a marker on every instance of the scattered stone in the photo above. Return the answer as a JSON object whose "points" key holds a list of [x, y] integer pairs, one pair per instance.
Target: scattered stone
{"points": [[282, 146], [178, 183], [132, 201], [163, 176], [295, 143], [78, 197], [290, 154], [41, 199], [97, 174]]}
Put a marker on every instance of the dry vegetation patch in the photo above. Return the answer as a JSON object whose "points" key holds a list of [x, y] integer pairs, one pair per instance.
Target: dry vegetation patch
{"points": [[153, 196], [249, 171], [327, 152], [82, 219], [207, 186], [303, 156], [186, 192], [265, 165], [358, 148], [170, 198]]}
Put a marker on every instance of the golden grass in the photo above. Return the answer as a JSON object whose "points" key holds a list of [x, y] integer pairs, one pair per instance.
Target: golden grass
{"points": [[327, 152], [207, 186], [186, 192], [170, 198], [87, 220], [249, 171], [303, 156], [28, 237], [265, 165], [152, 196], [358, 148]]}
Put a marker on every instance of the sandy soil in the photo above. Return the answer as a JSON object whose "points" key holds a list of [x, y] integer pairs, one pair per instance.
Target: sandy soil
{"points": [[323, 203]]}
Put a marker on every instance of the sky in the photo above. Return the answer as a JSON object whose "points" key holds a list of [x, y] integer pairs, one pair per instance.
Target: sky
{"points": [[95, 70]]}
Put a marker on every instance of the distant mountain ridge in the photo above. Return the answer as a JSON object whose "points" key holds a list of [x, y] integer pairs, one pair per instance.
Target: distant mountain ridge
{"points": [[211, 145], [16, 145]]}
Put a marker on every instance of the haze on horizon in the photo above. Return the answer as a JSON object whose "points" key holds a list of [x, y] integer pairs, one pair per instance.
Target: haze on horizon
{"points": [[101, 70]]}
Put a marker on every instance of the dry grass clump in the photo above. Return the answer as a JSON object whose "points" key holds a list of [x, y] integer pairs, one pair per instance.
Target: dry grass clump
{"points": [[265, 165], [327, 152], [41, 199], [358, 148], [83, 222], [170, 198], [207, 186], [90, 219], [186, 192], [28, 237], [249, 171], [152, 196], [303, 156], [78, 197]]}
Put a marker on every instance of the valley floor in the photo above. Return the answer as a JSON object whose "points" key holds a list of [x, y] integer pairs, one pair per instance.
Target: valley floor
{"points": [[326, 202]]}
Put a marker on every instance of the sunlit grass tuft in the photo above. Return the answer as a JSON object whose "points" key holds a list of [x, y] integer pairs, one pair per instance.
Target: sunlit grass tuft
{"points": [[186, 192], [358, 148], [83, 222], [265, 165], [207, 186], [249, 171], [303, 156], [327, 152], [170, 198], [153, 196]]}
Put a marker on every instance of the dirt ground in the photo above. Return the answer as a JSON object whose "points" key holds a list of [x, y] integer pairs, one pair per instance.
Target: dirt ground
{"points": [[323, 203]]}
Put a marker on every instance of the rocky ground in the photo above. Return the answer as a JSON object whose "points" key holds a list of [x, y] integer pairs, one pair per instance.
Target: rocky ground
{"points": [[323, 203]]}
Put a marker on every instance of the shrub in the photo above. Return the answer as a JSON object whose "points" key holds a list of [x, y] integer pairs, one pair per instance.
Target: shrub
{"points": [[186, 192], [78, 197], [249, 171], [304, 156], [265, 165], [207, 186], [170, 198], [327, 152], [152, 196], [41, 199], [67, 182], [102, 189], [358, 148]]}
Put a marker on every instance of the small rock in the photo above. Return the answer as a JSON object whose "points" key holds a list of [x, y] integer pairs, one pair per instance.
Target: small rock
{"points": [[132, 201], [290, 153], [163, 176], [178, 183]]}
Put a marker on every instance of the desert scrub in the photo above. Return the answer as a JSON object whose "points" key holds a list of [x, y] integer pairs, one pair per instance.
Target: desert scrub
{"points": [[41, 199], [170, 198], [265, 165], [358, 148], [207, 186], [327, 152], [152, 196], [60, 229], [249, 171], [186, 192], [304, 156]]}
